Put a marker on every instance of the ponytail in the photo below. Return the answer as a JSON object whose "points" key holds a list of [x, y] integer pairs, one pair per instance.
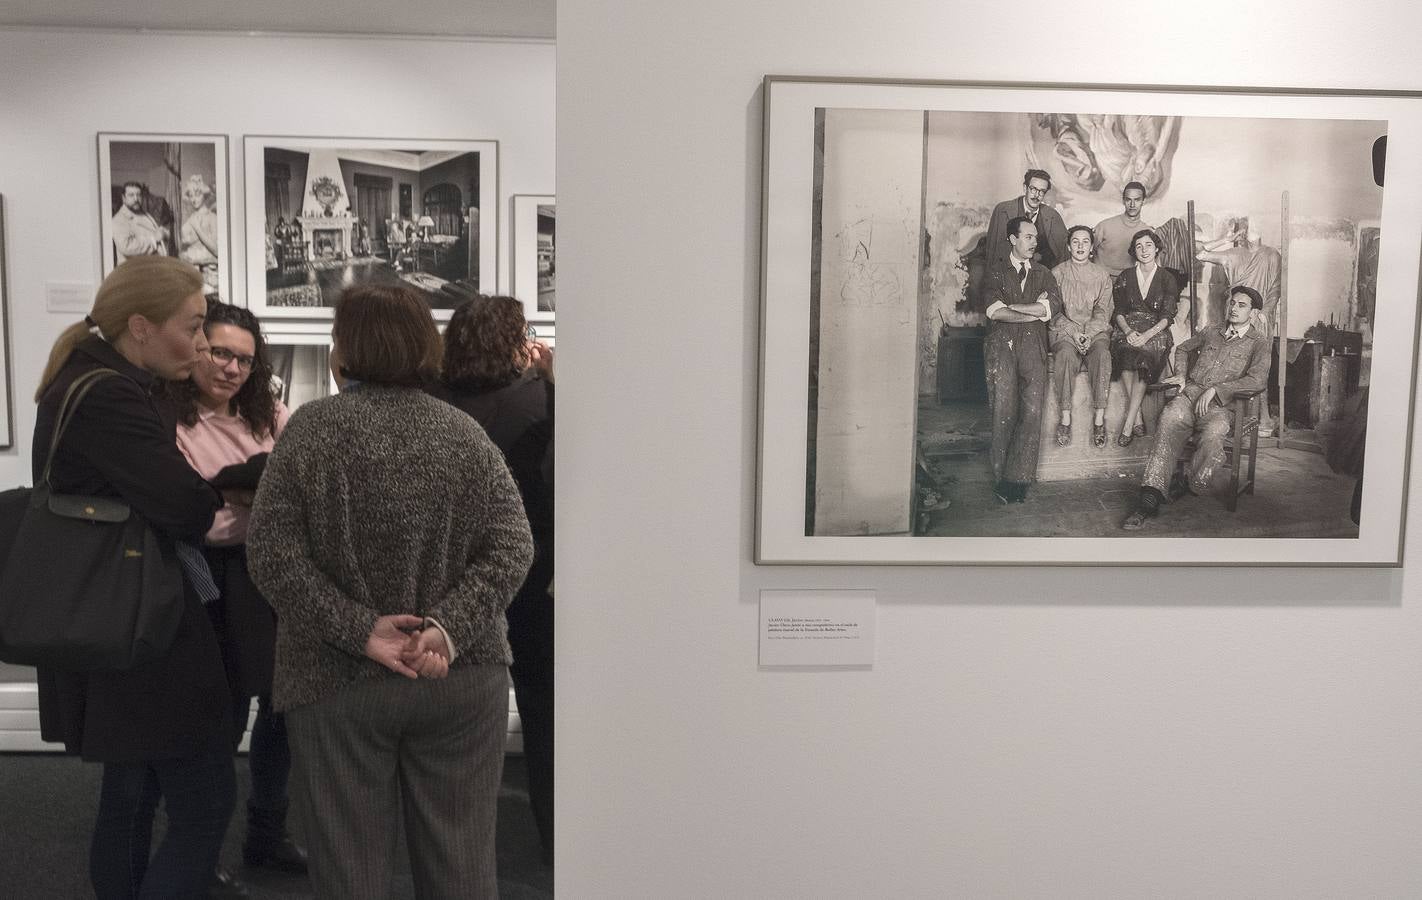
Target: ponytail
{"points": [[150, 286], [70, 338]]}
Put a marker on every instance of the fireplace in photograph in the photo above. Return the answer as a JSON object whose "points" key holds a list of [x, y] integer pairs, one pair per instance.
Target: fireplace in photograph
{"points": [[326, 207], [330, 236]]}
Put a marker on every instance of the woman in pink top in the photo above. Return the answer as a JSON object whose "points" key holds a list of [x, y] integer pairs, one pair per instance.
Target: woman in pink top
{"points": [[229, 414]]}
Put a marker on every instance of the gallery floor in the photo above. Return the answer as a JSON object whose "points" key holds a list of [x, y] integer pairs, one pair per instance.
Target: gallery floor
{"points": [[1296, 495], [47, 801]]}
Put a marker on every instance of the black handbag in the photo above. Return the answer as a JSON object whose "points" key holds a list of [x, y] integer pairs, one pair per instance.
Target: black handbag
{"points": [[86, 586]]}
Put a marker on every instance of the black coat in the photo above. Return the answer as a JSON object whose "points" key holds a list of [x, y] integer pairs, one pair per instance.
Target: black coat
{"points": [[121, 444], [518, 418]]}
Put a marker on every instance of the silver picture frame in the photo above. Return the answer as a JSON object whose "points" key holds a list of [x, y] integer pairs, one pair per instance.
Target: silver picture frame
{"points": [[533, 255], [875, 192], [323, 213], [166, 194]]}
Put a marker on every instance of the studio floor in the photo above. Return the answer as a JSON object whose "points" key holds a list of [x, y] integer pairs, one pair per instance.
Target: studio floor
{"points": [[1296, 495]]}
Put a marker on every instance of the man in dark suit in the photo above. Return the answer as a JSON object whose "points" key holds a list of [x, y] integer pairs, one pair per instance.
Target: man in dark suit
{"points": [[1032, 205], [1022, 297]]}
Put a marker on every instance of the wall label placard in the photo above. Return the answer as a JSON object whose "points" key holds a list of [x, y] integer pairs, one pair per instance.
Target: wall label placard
{"points": [[69, 296], [817, 628]]}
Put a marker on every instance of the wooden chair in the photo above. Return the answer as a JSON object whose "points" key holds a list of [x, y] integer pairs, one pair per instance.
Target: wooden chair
{"points": [[1241, 446]]}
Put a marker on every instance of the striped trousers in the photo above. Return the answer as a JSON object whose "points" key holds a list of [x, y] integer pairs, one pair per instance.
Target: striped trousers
{"points": [[425, 753]]}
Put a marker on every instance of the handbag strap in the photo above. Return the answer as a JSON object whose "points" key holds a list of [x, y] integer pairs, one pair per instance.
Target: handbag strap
{"points": [[78, 388]]}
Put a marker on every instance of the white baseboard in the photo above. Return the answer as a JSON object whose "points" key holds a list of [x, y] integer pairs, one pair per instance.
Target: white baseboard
{"points": [[20, 731]]}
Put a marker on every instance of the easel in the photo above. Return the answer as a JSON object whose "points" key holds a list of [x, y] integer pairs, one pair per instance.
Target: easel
{"points": [[1282, 338]]}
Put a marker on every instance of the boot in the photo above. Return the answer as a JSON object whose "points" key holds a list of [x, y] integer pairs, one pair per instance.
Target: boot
{"points": [[269, 845]]}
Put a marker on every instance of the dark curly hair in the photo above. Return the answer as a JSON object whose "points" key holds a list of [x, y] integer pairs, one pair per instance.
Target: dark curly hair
{"points": [[256, 401], [485, 343], [1154, 239]]}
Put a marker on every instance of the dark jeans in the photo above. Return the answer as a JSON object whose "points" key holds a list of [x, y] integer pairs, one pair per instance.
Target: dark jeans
{"points": [[197, 792], [530, 618], [269, 758]]}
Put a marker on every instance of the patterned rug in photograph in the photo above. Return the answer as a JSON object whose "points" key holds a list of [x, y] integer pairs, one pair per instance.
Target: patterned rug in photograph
{"points": [[326, 265], [424, 281], [300, 295]]}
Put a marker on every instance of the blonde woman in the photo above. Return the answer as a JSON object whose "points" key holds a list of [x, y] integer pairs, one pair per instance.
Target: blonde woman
{"points": [[162, 731]]}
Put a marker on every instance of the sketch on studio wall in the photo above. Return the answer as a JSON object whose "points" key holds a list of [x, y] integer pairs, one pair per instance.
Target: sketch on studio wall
{"points": [[534, 255], [912, 420], [327, 213], [166, 195]]}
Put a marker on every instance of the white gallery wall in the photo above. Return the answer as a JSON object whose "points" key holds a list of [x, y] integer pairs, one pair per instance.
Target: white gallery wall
{"points": [[62, 87], [1025, 732]]}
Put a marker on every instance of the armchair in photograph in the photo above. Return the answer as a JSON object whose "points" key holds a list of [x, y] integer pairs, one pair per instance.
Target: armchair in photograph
{"points": [[1241, 446]]}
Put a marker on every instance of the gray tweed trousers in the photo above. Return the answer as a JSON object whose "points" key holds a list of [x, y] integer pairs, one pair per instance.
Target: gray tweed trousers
{"points": [[423, 752]]}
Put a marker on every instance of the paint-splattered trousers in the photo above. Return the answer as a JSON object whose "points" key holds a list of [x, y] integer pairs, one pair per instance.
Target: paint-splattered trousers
{"points": [[1066, 362], [1177, 422], [1015, 360]]}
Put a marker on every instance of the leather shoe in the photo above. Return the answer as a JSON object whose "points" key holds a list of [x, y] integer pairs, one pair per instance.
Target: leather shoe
{"points": [[1135, 521], [226, 886], [283, 856]]}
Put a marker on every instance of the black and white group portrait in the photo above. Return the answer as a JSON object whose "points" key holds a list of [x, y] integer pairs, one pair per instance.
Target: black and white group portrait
{"points": [[326, 214], [165, 195], [1067, 323]]}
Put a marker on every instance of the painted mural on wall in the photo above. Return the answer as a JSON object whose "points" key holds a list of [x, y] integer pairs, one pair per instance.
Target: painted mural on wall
{"points": [[1091, 156]]}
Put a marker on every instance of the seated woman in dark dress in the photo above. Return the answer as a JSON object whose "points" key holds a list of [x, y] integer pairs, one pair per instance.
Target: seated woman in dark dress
{"points": [[1145, 298]]}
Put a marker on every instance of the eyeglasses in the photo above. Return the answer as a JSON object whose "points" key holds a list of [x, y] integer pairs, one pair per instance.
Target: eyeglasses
{"points": [[222, 356], [531, 333]]}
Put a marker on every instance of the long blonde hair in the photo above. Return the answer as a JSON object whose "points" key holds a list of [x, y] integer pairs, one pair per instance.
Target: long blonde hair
{"points": [[150, 286]]}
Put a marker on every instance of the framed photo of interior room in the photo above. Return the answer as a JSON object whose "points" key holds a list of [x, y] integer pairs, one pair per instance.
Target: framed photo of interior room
{"points": [[534, 262], [166, 195], [326, 213], [1052, 324]]}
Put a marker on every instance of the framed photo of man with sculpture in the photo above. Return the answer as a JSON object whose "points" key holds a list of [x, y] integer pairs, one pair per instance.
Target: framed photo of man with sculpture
{"points": [[327, 213], [1086, 324], [166, 195]]}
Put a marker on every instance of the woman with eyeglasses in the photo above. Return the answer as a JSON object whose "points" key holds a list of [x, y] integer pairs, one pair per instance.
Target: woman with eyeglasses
{"points": [[229, 415]]}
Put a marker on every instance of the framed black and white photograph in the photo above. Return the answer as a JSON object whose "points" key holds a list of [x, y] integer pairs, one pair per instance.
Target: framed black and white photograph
{"points": [[1086, 324], [327, 213], [534, 262], [166, 195], [7, 402]]}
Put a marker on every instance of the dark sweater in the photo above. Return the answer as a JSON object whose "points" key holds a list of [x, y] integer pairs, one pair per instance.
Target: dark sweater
{"points": [[380, 501]]}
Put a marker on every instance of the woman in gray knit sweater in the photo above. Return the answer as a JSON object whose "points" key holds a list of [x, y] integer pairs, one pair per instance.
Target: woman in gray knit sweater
{"points": [[389, 537]]}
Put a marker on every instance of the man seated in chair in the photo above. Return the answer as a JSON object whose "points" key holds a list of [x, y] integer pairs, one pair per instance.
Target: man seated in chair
{"points": [[1233, 359]]}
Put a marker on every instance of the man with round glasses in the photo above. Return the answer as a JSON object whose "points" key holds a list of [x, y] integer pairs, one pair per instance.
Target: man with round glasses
{"points": [[1032, 206]]}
